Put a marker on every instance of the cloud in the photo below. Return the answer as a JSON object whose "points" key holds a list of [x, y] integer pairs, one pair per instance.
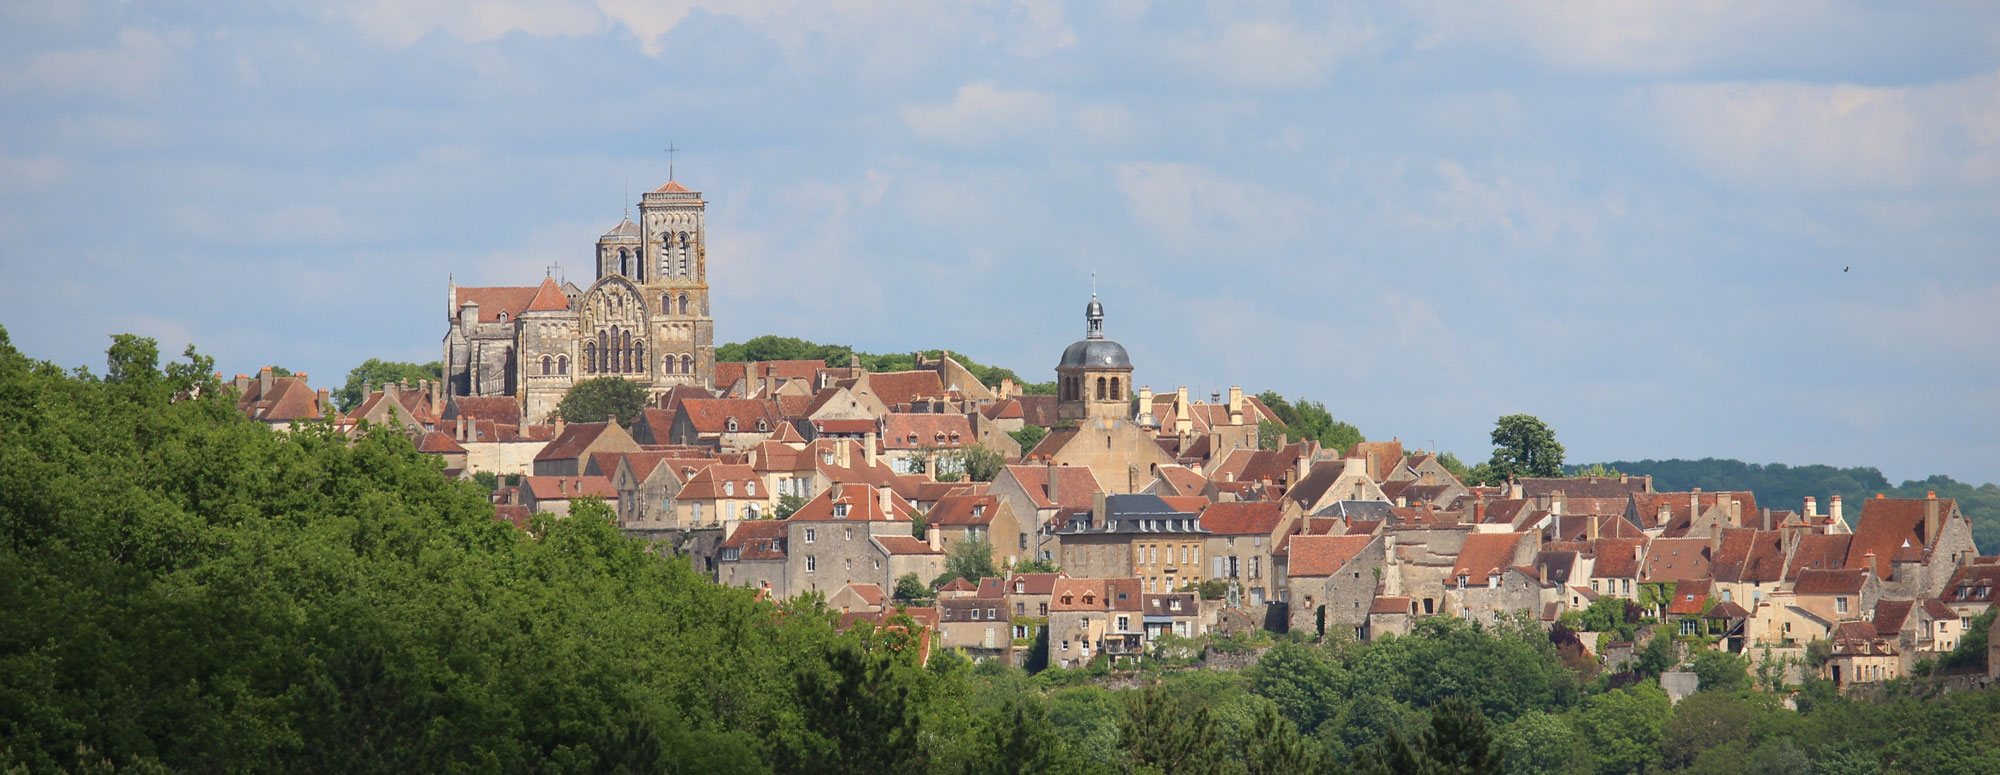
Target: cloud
{"points": [[1634, 37], [983, 114], [1783, 134], [400, 23], [1190, 208], [1268, 55], [130, 69]]}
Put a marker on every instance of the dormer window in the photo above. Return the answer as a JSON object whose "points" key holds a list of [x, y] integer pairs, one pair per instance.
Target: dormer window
{"points": [[979, 510], [1461, 580], [729, 489], [731, 425], [1492, 581], [762, 426], [750, 488], [840, 510]]}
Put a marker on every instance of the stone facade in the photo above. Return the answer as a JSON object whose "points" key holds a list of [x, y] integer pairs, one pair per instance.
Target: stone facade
{"points": [[645, 317]]}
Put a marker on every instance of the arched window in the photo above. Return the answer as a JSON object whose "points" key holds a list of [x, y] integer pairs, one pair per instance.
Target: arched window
{"points": [[546, 364], [639, 357], [684, 254], [762, 426], [684, 303], [1116, 394], [731, 425], [667, 363], [603, 353], [729, 489], [687, 365], [562, 364], [625, 351], [503, 317], [590, 357], [1100, 388], [624, 261], [666, 303]]}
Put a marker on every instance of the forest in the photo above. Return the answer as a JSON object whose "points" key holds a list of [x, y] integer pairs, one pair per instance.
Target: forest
{"points": [[1779, 486], [187, 590]]}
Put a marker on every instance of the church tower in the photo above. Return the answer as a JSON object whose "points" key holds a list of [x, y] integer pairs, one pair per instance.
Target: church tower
{"points": [[673, 235], [1095, 375]]}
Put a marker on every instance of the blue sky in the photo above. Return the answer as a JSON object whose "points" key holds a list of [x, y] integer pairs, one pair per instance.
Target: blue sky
{"points": [[1628, 219]]}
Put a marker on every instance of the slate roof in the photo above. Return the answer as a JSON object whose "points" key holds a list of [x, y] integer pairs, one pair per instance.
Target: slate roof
{"points": [[1582, 486]]}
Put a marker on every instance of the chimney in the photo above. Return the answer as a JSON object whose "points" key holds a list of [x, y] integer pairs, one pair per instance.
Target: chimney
{"points": [[1516, 490], [1590, 527], [468, 316], [303, 377], [1694, 505], [1235, 405], [562, 485], [1812, 507], [325, 399], [242, 383], [1931, 525], [1006, 388], [884, 498], [1735, 510], [1868, 564], [844, 457], [1833, 510], [933, 536], [868, 448], [1623, 479], [264, 381], [1661, 518], [458, 432], [1557, 500], [1183, 420], [1639, 556], [1146, 407], [1765, 523], [1051, 468]]}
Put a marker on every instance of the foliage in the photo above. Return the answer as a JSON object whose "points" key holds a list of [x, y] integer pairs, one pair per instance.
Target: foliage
{"points": [[980, 463], [1524, 446], [1659, 654], [1720, 670], [1301, 420], [1624, 727], [604, 398], [1028, 436], [1598, 470], [1970, 652], [375, 373], [911, 589], [1162, 735], [487, 480], [1035, 566], [1455, 466], [1038, 388], [785, 348], [787, 504], [970, 559], [1781, 486], [1540, 742], [1211, 589]]}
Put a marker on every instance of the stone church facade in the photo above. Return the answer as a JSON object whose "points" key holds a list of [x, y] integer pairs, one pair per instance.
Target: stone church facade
{"points": [[644, 318]]}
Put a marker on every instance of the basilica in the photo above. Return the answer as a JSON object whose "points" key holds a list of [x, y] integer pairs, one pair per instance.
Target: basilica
{"points": [[644, 318]]}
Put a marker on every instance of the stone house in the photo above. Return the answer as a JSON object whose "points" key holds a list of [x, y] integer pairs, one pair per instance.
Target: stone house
{"points": [[1860, 655], [647, 484], [853, 532], [1335, 577], [1123, 456], [554, 494], [280, 401], [959, 518], [979, 626], [1837, 595], [1420, 559], [753, 555], [1093, 616], [1137, 535], [1973, 588], [719, 495], [414, 410], [576, 442], [728, 424], [916, 443], [1615, 567], [1913, 544], [858, 597], [1493, 576], [1241, 537], [1331, 481], [440, 445], [1174, 613], [1037, 493]]}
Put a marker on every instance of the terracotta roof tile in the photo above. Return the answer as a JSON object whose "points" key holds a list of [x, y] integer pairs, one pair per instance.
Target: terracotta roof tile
{"points": [[758, 539], [1485, 554], [739, 482], [1253, 518], [1076, 486], [1387, 604], [902, 387], [713, 415], [1316, 555], [1689, 597], [907, 431], [1616, 558], [862, 502], [494, 300], [1676, 560], [1819, 550], [438, 442], [557, 488], [548, 298], [1813, 581], [963, 510], [1889, 526]]}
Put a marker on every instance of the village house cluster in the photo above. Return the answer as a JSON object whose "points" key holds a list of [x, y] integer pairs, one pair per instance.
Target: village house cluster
{"points": [[1139, 515]]}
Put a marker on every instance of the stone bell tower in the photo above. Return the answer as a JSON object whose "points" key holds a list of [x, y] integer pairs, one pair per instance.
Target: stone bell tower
{"points": [[1094, 378], [673, 234]]}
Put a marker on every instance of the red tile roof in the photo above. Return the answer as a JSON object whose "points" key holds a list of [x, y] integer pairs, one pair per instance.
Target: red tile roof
{"points": [[964, 510], [1387, 604], [862, 502], [558, 488], [1034, 583], [548, 298], [517, 516], [870, 594], [902, 387], [1316, 555], [290, 399], [959, 585], [905, 545], [1076, 486], [1070, 594], [725, 481], [574, 439], [1689, 597], [1890, 616], [438, 442], [1675, 560], [1181, 480], [1973, 584], [1240, 518], [906, 431], [1616, 558], [712, 415], [1813, 581], [1889, 526], [1817, 550], [493, 300], [1749, 555], [758, 539], [500, 409], [1486, 554]]}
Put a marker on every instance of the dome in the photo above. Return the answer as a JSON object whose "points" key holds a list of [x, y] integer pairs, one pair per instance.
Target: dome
{"points": [[1095, 353]]}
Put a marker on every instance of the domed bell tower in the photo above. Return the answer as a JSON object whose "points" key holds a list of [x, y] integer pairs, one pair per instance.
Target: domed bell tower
{"points": [[1094, 379]]}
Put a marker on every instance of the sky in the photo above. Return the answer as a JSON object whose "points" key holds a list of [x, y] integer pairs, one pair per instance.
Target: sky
{"points": [[1766, 231]]}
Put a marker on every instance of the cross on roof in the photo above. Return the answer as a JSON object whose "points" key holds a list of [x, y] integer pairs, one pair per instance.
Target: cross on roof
{"points": [[671, 150]]}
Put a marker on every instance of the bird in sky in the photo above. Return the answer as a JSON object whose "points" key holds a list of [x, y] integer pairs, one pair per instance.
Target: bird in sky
{"points": [[1845, 268]]}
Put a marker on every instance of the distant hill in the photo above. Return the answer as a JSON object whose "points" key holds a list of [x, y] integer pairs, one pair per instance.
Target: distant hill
{"points": [[786, 348], [1780, 486]]}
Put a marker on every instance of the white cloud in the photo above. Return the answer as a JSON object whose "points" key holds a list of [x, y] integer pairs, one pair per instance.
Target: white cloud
{"points": [[982, 114], [1784, 134], [1651, 37], [1192, 207], [1038, 28], [1269, 54], [130, 69], [400, 23]]}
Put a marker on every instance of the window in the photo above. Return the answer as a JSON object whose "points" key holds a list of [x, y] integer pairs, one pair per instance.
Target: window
{"points": [[1044, 609], [849, 535], [1628, 586], [562, 364], [639, 357], [1461, 581], [1124, 622], [750, 488], [684, 303], [548, 365], [840, 510], [1100, 388], [1020, 609], [1840, 604], [1687, 627], [731, 425], [1257, 568], [811, 535], [687, 364], [590, 357], [1115, 394], [812, 563], [990, 614], [729, 489], [667, 364], [1492, 581]]}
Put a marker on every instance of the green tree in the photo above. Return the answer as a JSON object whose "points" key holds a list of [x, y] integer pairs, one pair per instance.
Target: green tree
{"points": [[1599, 470], [1720, 670], [1539, 742], [1971, 650], [1524, 446], [376, 372], [970, 559], [862, 712], [980, 463], [787, 505], [604, 398], [1162, 735], [1276, 746], [1459, 740], [910, 589], [1706, 720], [1301, 420], [1028, 436], [1303, 682], [1624, 727]]}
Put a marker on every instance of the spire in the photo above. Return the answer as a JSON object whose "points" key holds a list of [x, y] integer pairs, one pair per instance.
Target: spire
{"points": [[1093, 315]]}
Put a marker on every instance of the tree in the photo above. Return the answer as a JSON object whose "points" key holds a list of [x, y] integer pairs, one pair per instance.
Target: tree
{"points": [[1455, 466], [1539, 742], [1161, 735], [864, 711], [1277, 748], [375, 372], [1459, 741], [970, 559], [1598, 470], [1035, 566], [1721, 671], [1301, 420], [787, 504], [1028, 436], [1623, 727], [980, 463], [910, 589], [604, 398], [1709, 719], [1524, 446]]}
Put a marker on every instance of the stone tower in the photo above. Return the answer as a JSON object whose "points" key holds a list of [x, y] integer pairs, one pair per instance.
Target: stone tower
{"points": [[674, 236], [1095, 375]]}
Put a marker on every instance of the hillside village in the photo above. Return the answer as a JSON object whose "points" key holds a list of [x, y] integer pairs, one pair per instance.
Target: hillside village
{"points": [[1133, 517]]}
